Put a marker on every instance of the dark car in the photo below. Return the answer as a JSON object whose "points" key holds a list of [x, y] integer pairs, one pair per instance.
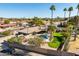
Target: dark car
{"points": [[19, 33], [41, 32]]}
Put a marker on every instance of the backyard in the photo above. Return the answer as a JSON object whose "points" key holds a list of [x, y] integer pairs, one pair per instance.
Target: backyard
{"points": [[48, 33]]}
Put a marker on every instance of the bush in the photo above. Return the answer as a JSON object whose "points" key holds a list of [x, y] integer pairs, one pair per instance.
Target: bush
{"points": [[51, 28], [66, 34], [35, 41], [11, 40], [15, 40], [6, 33], [6, 21], [54, 44]]}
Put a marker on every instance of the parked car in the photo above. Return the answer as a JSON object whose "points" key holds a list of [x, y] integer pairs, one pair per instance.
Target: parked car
{"points": [[19, 33]]}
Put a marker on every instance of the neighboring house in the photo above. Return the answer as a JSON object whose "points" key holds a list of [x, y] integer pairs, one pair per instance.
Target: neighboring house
{"points": [[13, 22], [44, 27], [7, 25], [56, 23], [24, 24]]}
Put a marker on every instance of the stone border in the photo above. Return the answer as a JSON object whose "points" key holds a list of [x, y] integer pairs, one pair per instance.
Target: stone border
{"points": [[47, 52]]}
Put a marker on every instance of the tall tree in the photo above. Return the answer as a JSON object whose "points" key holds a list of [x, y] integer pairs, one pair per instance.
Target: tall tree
{"points": [[77, 15], [52, 8], [51, 29], [70, 10], [7, 21], [77, 9], [76, 23], [65, 10]]}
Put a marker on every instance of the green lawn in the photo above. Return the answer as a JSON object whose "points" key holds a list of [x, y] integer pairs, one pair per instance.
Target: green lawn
{"points": [[57, 34], [58, 39], [54, 44]]}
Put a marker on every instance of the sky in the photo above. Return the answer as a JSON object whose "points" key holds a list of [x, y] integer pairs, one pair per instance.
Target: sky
{"points": [[29, 10]]}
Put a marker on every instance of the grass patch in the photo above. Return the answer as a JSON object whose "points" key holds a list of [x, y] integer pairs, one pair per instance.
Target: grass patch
{"points": [[57, 34], [57, 40], [54, 44]]}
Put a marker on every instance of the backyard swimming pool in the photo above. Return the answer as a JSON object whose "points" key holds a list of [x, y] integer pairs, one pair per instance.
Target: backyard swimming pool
{"points": [[45, 37]]}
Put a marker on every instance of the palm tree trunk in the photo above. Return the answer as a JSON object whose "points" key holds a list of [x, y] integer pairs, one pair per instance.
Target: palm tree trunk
{"points": [[76, 25], [27, 30], [75, 35], [52, 17], [64, 14], [40, 27], [69, 14], [51, 25], [77, 12], [50, 35]]}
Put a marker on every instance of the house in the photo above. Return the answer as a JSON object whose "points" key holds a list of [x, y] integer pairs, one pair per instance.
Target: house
{"points": [[7, 25]]}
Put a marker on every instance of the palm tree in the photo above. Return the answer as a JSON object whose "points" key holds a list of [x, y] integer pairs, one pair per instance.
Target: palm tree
{"points": [[64, 12], [51, 29], [52, 8], [77, 15], [70, 9], [76, 23], [77, 9]]}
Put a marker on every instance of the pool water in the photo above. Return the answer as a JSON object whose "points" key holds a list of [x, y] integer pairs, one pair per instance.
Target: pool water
{"points": [[45, 37]]}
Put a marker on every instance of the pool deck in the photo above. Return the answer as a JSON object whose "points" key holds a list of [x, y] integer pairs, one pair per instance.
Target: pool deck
{"points": [[74, 45]]}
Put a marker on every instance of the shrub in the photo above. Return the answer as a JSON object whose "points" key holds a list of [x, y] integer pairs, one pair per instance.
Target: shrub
{"points": [[51, 28], [6, 33], [6, 21], [35, 41], [15, 40], [54, 44], [66, 34]]}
